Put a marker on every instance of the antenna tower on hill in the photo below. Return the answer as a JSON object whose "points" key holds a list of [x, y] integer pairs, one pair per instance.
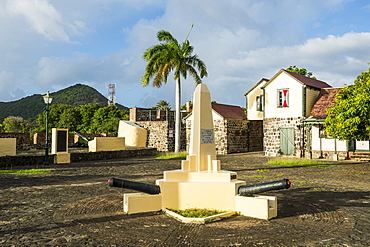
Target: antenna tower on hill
{"points": [[111, 94]]}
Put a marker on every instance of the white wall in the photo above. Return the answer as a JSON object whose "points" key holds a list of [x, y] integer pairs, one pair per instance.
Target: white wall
{"points": [[283, 81], [252, 113], [326, 144]]}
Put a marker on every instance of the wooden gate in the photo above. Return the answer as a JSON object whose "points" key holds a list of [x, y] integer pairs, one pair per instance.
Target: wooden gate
{"points": [[287, 141]]}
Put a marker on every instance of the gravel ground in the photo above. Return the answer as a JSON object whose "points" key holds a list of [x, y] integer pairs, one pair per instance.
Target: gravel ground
{"points": [[73, 206]]}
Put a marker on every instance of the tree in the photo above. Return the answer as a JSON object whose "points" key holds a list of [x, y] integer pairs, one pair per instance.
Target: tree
{"points": [[70, 119], [106, 120], [302, 71], [170, 56], [162, 105], [55, 113], [349, 119], [15, 124], [87, 115]]}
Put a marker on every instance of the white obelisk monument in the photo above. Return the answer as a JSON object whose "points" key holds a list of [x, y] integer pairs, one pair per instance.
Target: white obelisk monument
{"points": [[201, 183]]}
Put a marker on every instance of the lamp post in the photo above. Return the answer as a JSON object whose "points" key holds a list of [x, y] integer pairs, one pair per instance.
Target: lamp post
{"points": [[47, 100]]}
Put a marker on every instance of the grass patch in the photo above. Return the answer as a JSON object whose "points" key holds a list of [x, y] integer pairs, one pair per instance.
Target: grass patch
{"points": [[256, 176], [171, 156], [302, 182], [25, 172], [197, 212], [299, 162], [263, 170], [317, 188]]}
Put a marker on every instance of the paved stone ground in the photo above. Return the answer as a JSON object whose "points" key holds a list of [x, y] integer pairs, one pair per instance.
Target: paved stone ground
{"points": [[73, 206]]}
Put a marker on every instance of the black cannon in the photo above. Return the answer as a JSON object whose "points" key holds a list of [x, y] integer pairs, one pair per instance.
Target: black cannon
{"points": [[142, 187], [246, 190]]}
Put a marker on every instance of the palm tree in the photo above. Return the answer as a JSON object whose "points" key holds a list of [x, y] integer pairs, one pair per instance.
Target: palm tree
{"points": [[170, 56], [162, 105]]}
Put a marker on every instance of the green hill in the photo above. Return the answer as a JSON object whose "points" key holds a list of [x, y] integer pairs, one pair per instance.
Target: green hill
{"points": [[29, 107]]}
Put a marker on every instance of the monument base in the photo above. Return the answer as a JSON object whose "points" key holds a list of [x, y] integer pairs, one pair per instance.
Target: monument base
{"points": [[219, 195], [140, 203], [257, 206], [62, 158]]}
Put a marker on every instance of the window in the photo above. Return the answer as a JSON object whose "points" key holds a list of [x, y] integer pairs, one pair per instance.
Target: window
{"points": [[259, 103], [283, 98]]}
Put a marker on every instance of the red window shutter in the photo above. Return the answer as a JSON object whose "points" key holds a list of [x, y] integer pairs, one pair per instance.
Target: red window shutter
{"points": [[285, 98]]}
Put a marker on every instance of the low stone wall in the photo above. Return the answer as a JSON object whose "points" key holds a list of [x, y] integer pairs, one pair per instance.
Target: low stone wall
{"points": [[23, 139], [107, 144], [329, 155], [37, 160]]}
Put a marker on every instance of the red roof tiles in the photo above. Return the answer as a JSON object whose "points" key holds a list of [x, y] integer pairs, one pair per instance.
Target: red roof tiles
{"points": [[308, 81], [324, 101], [229, 111]]}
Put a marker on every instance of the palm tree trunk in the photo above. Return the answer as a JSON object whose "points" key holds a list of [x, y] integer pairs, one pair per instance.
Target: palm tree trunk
{"points": [[178, 116]]}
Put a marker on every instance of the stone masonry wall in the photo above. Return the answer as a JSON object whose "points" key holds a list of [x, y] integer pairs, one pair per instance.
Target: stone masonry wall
{"points": [[220, 134], [255, 135], [272, 134], [161, 135], [237, 135], [231, 135], [22, 139]]}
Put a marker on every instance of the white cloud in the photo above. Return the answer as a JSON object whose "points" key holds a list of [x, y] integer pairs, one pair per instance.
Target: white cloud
{"points": [[43, 18]]}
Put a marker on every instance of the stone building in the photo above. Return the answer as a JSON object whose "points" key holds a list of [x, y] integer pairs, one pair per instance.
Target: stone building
{"points": [[233, 133]]}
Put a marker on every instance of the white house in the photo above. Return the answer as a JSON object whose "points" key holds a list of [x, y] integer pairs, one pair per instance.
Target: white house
{"points": [[287, 100]]}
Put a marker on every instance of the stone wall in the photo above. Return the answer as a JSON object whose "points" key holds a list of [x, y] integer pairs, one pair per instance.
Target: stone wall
{"points": [[161, 135], [39, 138], [233, 136], [237, 130], [23, 139], [255, 135], [9, 162], [329, 155], [271, 131]]}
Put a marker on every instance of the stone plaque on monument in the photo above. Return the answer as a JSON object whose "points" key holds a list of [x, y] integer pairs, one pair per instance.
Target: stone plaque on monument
{"points": [[207, 136], [62, 140]]}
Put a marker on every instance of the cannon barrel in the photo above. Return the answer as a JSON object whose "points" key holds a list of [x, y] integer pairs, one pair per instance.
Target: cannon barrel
{"points": [[142, 187], [246, 190]]}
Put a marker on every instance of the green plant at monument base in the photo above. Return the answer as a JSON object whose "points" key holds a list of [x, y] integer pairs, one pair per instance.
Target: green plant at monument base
{"points": [[197, 212], [298, 162], [171, 156], [25, 172]]}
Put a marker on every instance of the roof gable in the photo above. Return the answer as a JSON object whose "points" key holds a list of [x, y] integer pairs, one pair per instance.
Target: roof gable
{"points": [[302, 79], [324, 101], [229, 111], [261, 83], [307, 80]]}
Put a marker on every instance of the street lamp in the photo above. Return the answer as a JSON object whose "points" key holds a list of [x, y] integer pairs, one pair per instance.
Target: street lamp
{"points": [[47, 100]]}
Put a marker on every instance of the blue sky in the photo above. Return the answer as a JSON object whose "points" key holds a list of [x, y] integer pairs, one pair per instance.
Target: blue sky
{"points": [[48, 45]]}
